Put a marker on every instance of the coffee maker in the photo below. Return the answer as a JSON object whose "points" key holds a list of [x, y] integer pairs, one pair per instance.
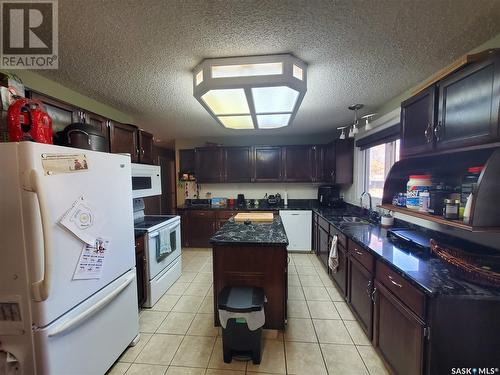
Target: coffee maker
{"points": [[241, 200], [329, 196]]}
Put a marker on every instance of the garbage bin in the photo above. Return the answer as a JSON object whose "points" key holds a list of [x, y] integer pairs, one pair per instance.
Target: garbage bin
{"points": [[241, 314]]}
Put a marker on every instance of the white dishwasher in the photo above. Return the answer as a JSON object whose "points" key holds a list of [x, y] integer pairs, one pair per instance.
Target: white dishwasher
{"points": [[298, 228]]}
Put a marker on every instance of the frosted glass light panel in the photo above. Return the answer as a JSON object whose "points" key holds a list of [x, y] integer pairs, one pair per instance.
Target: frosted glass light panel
{"points": [[199, 77], [273, 121], [274, 99], [297, 72], [227, 101], [237, 122], [247, 70]]}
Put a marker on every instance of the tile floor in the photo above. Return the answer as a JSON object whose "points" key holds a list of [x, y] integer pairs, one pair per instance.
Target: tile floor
{"points": [[322, 335]]}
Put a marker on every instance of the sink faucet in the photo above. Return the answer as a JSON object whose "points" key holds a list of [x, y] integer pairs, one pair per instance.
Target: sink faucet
{"points": [[361, 200]]}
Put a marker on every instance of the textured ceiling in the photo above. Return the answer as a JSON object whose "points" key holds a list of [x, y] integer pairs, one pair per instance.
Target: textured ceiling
{"points": [[138, 55]]}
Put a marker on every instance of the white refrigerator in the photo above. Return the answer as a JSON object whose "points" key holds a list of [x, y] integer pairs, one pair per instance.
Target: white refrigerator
{"points": [[64, 311]]}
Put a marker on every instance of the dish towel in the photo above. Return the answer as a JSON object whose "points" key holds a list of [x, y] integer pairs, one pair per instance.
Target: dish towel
{"points": [[333, 258], [163, 243]]}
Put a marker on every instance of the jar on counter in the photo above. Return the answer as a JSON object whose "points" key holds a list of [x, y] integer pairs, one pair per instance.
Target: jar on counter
{"points": [[416, 185], [451, 209]]}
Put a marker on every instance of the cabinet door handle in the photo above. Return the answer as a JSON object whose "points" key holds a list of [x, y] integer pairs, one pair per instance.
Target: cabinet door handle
{"points": [[142, 151], [358, 252], [393, 282], [368, 289], [373, 294], [437, 131], [428, 133]]}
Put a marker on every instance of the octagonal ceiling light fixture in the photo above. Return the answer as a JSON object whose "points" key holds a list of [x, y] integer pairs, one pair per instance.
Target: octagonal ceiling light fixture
{"points": [[255, 92]]}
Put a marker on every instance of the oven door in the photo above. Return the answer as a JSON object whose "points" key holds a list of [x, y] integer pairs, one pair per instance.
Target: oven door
{"points": [[161, 252], [146, 180]]}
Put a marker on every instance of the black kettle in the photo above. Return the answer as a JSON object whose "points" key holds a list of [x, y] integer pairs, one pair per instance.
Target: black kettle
{"points": [[82, 135]]}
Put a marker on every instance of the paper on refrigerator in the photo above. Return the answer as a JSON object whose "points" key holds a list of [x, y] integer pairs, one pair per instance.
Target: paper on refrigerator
{"points": [[81, 219], [91, 262]]}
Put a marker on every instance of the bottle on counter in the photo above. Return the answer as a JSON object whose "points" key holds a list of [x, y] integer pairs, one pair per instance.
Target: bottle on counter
{"points": [[469, 183]]}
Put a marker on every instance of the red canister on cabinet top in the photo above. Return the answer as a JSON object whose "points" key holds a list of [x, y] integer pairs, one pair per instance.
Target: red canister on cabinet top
{"points": [[27, 120]]}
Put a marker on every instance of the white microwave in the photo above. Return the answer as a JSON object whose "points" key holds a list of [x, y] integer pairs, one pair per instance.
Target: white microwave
{"points": [[146, 180]]}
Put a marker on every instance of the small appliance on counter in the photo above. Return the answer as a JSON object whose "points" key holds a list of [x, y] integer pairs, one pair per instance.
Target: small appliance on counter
{"points": [[329, 196], [241, 202], [273, 200], [197, 202], [219, 202], [410, 240]]}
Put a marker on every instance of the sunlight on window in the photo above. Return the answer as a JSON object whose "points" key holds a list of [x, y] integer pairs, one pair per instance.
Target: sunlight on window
{"points": [[376, 170]]}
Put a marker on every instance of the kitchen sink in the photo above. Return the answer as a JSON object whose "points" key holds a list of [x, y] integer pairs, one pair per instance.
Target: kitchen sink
{"points": [[354, 220]]}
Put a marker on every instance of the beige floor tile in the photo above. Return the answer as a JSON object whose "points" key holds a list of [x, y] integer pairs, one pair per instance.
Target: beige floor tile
{"points": [[372, 360], [119, 368], [207, 306], [203, 278], [295, 293], [301, 260], [298, 309], [175, 370], [141, 369], [194, 351], [293, 280], [306, 270], [291, 269], [334, 294], [149, 320], [197, 289], [187, 277], [323, 310], [203, 325], [211, 291], [357, 334], [304, 358], [188, 304], [211, 371], [344, 311], [316, 293], [300, 330], [177, 288], [176, 323], [332, 332], [192, 267], [131, 353], [207, 268], [217, 360], [343, 359], [160, 349], [273, 358], [326, 279], [313, 280], [272, 334], [166, 302]]}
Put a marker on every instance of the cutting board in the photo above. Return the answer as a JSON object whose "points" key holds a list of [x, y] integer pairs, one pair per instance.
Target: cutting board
{"points": [[260, 217]]}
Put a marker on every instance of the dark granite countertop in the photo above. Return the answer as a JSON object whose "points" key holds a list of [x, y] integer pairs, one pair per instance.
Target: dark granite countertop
{"points": [[139, 232], [254, 233], [293, 204], [429, 273]]}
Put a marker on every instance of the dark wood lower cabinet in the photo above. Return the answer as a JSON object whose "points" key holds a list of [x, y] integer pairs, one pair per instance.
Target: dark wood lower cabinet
{"points": [[340, 276], [398, 333], [140, 266], [202, 226], [323, 245], [360, 294]]}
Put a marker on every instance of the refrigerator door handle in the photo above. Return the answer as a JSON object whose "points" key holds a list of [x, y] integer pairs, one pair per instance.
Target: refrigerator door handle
{"points": [[40, 288], [80, 318]]}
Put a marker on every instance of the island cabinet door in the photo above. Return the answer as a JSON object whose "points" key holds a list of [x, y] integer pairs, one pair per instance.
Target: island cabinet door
{"points": [[398, 333], [360, 294]]}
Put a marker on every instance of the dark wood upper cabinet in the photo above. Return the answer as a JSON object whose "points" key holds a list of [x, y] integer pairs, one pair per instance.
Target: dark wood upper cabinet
{"points": [[237, 164], [146, 143], [62, 114], [298, 163], [398, 333], [418, 116], [208, 164], [186, 161], [123, 140], [468, 106], [344, 161], [267, 165]]}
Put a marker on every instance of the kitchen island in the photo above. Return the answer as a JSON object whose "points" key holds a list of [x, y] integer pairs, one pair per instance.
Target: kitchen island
{"points": [[253, 255]]}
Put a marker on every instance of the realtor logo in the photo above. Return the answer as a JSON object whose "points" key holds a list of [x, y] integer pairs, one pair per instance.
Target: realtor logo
{"points": [[29, 37]]}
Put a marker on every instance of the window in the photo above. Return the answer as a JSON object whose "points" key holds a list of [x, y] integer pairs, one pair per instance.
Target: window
{"points": [[378, 161]]}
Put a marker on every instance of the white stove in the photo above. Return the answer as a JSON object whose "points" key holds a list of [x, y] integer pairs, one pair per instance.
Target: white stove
{"points": [[162, 250]]}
